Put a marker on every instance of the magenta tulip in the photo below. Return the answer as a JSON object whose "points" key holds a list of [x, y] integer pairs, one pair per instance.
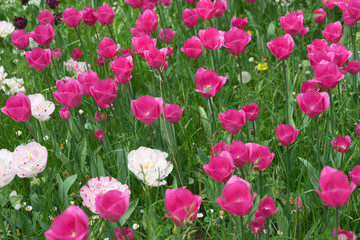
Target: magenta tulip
{"points": [[135, 3], [292, 22], [148, 21], [309, 85], [112, 205], [217, 148], [173, 112], [267, 206], [38, 58], [327, 75], [20, 39], [339, 54], [18, 107], [122, 67], [142, 44], [168, 36], [333, 32], [317, 45], [100, 60], [355, 175], [256, 227], [239, 22], [232, 120], [192, 47], [107, 48], [43, 34], [88, 16], [354, 9], [348, 19], [88, 80], [211, 38], [76, 54], [335, 188], [344, 235], [259, 216], [190, 17], [97, 118], [342, 144], [353, 67], [205, 9], [319, 15], [56, 53], [251, 111], [65, 113], [286, 134], [208, 82], [191, 1], [239, 152], [71, 17], [282, 47], [260, 156], [138, 32], [182, 205], [236, 40], [155, 57], [357, 129], [236, 197], [313, 103], [99, 135], [46, 17], [120, 235], [220, 167], [220, 7], [147, 109], [105, 14], [69, 93], [104, 92]]}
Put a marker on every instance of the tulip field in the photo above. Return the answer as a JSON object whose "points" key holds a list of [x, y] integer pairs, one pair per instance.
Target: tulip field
{"points": [[179, 119]]}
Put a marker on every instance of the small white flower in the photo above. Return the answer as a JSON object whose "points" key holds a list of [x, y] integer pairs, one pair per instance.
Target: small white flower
{"points": [[251, 59], [279, 232], [3, 74], [51, 217], [135, 226], [91, 222], [24, 204], [95, 217], [106, 238], [307, 72], [66, 141], [18, 133], [265, 231], [72, 203], [6, 28], [142, 211], [246, 77], [13, 193], [17, 206], [46, 137], [12, 85], [211, 210], [81, 111], [200, 215], [54, 208], [28, 208]]}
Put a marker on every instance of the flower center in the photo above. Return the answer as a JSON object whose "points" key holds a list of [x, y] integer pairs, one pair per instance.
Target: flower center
{"points": [[73, 234], [207, 88]]}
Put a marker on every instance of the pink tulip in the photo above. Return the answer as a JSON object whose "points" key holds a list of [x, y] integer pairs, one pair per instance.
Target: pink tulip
{"points": [[105, 14], [127, 52], [148, 4], [205, 9], [191, 1], [327, 75], [99, 135], [256, 227], [71, 17], [155, 57], [182, 205], [56, 53], [100, 60], [236, 197], [88, 16], [239, 152], [251, 111], [239, 22], [128, 233], [135, 3], [309, 85], [335, 187], [348, 19], [236, 40], [76, 54], [38, 58], [88, 80], [303, 30], [211, 38], [148, 21], [343, 234], [173, 112], [298, 203], [353, 67], [97, 118], [282, 47], [217, 148], [316, 57], [46, 17], [220, 167], [251, 1], [354, 9], [112, 205], [122, 67], [147, 109], [104, 92], [220, 7], [43, 34], [65, 113], [260, 156], [317, 45], [333, 32], [259, 216], [292, 22], [339, 54], [18, 107], [267, 206], [142, 44], [208, 82], [190, 17], [342, 144], [69, 92], [232, 120], [169, 35], [73, 224], [138, 32], [313, 103], [20, 39], [168, 51], [107, 48], [286, 134], [166, 2], [319, 15], [192, 47], [355, 175]]}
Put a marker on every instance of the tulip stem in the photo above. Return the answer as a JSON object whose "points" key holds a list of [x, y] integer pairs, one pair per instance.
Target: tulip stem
{"points": [[111, 33], [332, 117], [254, 130], [241, 82], [97, 34], [287, 160], [82, 46], [31, 131], [3, 227], [212, 114], [122, 230], [336, 222], [268, 228], [113, 112], [260, 184], [242, 173], [129, 90], [286, 94], [213, 57], [317, 141], [242, 227], [298, 224], [353, 33]]}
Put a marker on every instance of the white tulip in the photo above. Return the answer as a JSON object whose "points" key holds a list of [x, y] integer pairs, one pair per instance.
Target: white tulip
{"points": [[40, 108]]}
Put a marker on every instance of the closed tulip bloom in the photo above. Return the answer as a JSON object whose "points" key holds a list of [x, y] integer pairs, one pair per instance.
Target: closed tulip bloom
{"points": [[20, 39], [88, 16], [319, 15], [251, 1], [192, 47], [107, 48], [205, 9], [173, 112], [147, 109], [127, 52], [335, 188], [236, 40], [239, 152], [7, 174], [220, 7], [128, 233], [348, 19], [168, 51], [236, 197], [122, 68], [148, 21], [97, 118], [357, 129], [112, 205], [286, 134], [342, 144], [327, 75], [354, 9], [46, 17], [168, 37], [259, 216], [142, 44], [190, 17], [41, 109], [211, 38], [333, 32], [38, 58], [155, 57], [232, 120], [292, 22], [217, 148], [182, 205], [191, 1], [52, 3], [220, 167], [73, 223], [317, 45], [20, 22], [260, 156], [251, 111], [239, 22], [267, 206], [43, 34], [256, 227], [88, 80], [309, 85], [65, 113], [100, 60], [339, 54], [355, 175], [313, 103], [135, 3], [56, 53], [105, 14], [148, 4], [76, 54], [71, 17], [18, 107], [353, 67], [316, 57], [344, 235], [208, 82], [69, 93], [138, 32], [281, 47], [104, 92]]}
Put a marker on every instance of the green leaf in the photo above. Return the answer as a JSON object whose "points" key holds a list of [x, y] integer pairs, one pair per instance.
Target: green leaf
{"points": [[128, 213], [312, 173]]}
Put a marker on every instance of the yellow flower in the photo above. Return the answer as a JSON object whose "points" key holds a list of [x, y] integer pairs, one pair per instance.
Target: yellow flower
{"points": [[249, 31], [262, 66]]}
